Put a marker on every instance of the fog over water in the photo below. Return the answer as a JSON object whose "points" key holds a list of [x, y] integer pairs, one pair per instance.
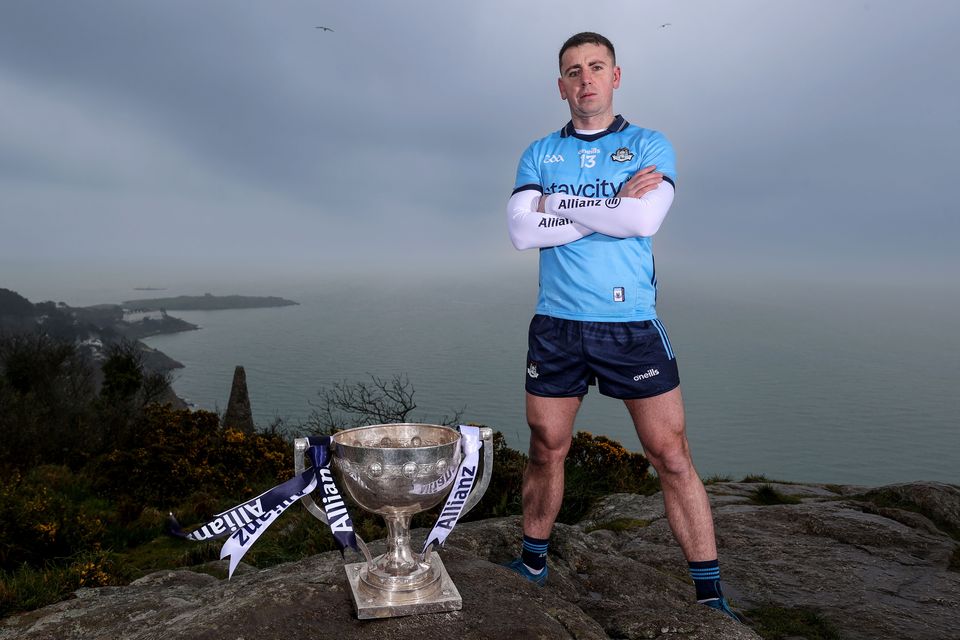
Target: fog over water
{"points": [[808, 267], [794, 384]]}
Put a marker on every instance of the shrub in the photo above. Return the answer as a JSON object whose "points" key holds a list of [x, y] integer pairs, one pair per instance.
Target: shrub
{"points": [[29, 588], [598, 466], [49, 513], [180, 452]]}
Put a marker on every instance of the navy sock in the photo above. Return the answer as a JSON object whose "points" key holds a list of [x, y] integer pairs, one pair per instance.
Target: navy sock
{"points": [[706, 578], [534, 553]]}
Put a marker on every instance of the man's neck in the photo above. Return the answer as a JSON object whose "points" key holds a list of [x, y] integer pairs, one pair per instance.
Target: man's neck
{"points": [[592, 123]]}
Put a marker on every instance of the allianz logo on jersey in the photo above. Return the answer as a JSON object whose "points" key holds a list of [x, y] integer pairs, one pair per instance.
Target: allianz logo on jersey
{"points": [[553, 158]]}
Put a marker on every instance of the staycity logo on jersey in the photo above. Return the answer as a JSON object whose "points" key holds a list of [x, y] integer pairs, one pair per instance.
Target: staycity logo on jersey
{"points": [[551, 159], [596, 189], [621, 155]]}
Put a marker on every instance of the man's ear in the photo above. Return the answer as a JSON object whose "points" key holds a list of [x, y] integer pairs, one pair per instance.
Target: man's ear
{"points": [[616, 77], [563, 92]]}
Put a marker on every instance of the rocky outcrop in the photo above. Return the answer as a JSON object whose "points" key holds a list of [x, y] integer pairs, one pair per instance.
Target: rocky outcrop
{"points": [[873, 565]]}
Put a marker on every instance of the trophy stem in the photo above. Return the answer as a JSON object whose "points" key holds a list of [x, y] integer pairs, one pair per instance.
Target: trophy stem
{"points": [[399, 558], [399, 570]]}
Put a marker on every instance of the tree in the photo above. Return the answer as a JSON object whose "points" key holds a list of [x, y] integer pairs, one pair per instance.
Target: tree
{"points": [[344, 405], [46, 391], [127, 389], [13, 304]]}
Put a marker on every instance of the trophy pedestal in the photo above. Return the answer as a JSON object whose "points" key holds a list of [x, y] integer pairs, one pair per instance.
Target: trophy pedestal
{"points": [[380, 603]]}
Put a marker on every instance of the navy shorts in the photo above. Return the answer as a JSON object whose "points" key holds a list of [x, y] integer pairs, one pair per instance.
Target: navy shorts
{"points": [[627, 360]]}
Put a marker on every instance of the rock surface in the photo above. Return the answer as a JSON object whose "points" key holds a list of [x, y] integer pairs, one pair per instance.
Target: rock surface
{"points": [[874, 564]]}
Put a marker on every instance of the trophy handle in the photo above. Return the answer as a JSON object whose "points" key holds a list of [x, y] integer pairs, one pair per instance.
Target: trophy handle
{"points": [[486, 434], [300, 446]]}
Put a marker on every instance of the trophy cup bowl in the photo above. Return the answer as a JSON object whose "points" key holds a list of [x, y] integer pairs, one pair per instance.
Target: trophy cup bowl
{"points": [[397, 471]]}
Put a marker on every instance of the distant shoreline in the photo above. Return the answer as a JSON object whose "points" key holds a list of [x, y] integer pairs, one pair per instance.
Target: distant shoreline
{"points": [[207, 302]]}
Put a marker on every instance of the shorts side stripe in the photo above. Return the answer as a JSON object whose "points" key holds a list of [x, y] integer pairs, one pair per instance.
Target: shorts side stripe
{"points": [[664, 338]]}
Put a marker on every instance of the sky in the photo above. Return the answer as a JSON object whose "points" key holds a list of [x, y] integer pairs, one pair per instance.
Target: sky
{"points": [[154, 143]]}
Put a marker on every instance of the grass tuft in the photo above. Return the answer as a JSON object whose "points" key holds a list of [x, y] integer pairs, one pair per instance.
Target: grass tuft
{"points": [[767, 495], [717, 479]]}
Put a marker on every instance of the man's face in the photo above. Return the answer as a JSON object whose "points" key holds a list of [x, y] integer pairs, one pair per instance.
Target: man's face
{"points": [[587, 80]]}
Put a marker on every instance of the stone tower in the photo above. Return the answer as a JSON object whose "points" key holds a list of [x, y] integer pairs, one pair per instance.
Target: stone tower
{"points": [[238, 415]]}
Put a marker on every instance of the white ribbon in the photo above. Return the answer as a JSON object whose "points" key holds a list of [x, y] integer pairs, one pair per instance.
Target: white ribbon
{"points": [[462, 485], [243, 538]]}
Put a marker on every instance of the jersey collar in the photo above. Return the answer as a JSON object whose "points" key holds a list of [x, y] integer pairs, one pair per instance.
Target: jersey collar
{"points": [[619, 124]]}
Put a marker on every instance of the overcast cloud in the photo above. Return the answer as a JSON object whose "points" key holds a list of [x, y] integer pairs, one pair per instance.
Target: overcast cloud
{"points": [[233, 139]]}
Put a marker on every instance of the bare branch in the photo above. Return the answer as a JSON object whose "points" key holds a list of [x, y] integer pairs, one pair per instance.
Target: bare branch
{"points": [[377, 401]]}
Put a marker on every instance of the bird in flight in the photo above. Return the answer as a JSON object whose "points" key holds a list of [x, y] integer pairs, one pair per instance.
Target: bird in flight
{"points": [[324, 28]]}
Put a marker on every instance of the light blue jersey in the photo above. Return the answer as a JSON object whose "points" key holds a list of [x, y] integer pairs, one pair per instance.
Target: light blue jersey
{"points": [[597, 278]]}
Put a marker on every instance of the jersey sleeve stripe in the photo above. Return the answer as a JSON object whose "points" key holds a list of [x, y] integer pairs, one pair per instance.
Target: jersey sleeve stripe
{"points": [[527, 187], [665, 179]]}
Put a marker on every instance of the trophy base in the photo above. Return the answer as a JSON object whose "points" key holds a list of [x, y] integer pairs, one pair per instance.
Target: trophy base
{"points": [[389, 604]]}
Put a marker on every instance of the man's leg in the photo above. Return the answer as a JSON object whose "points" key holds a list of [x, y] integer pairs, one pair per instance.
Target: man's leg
{"points": [[551, 430], [661, 427], [660, 424]]}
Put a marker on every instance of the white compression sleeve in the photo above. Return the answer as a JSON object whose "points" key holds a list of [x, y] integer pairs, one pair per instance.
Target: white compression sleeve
{"points": [[531, 229], [617, 217]]}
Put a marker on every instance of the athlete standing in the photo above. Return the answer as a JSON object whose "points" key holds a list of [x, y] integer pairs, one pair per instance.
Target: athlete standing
{"points": [[590, 196]]}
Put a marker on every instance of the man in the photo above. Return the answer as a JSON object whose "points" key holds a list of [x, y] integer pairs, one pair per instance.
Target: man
{"points": [[590, 197]]}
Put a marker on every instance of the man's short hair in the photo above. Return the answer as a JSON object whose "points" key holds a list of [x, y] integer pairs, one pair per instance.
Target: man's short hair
{"points": [[586, 37]]}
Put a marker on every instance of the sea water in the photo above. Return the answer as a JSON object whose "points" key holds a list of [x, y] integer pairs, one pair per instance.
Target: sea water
{"points": [[849, 385]]}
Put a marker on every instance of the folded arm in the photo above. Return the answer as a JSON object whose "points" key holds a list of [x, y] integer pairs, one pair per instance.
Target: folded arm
{"points": [[531, 229], [623, 217]]}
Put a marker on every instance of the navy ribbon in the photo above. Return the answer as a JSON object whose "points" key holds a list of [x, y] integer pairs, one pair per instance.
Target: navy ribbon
{"points": [[245, 522]]}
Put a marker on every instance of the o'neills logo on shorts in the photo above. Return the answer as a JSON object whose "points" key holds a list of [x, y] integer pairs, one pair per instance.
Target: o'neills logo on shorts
{"points": [[649, 373]]}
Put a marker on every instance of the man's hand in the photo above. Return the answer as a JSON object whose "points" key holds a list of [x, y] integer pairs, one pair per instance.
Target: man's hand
{"points": [[542, 203], [647, 179]]}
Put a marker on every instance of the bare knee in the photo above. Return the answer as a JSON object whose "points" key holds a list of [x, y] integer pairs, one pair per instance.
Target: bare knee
{"points": [[551, 428], [547, 447], [673, 460]]}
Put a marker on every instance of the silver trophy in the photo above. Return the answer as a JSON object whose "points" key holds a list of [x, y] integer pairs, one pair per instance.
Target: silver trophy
{"points": [[398, 470]]}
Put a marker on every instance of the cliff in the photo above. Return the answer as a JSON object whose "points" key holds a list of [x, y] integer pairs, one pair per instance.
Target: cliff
{"points": [[879, 563]]}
